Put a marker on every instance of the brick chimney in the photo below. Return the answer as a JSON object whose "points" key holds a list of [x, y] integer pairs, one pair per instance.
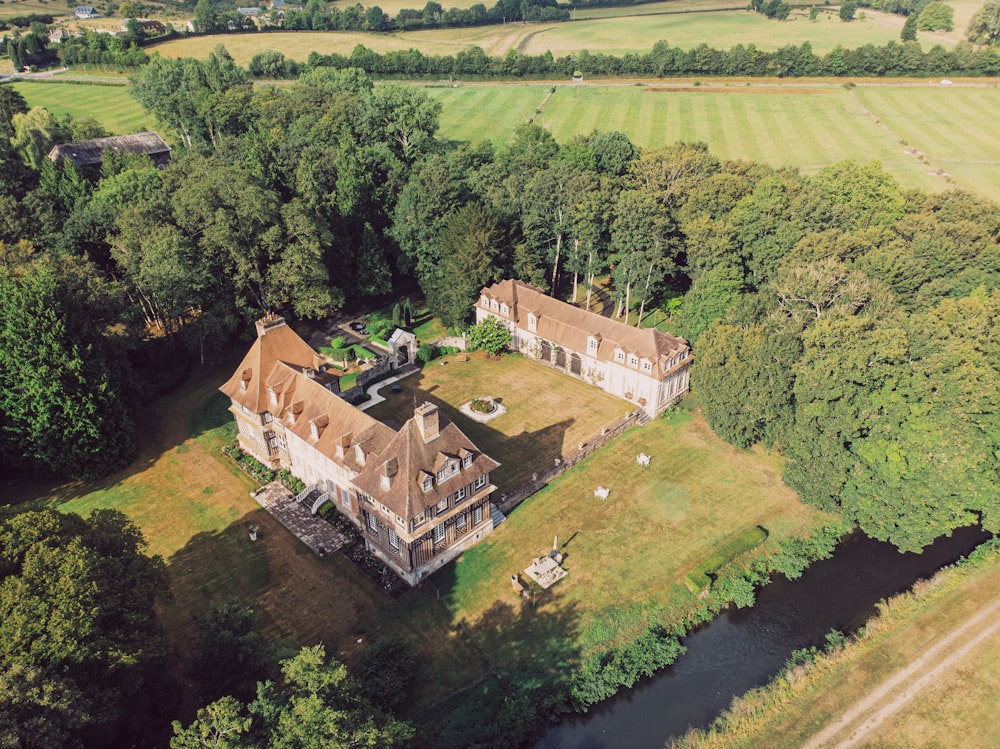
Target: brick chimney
{"points": [[428, 421], [268, 322]]}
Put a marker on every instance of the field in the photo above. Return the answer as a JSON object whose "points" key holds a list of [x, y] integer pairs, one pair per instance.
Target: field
{"points": [[547, 412], [627, 556], [958, 707], [805, 125], [109, 105], [609, 35]]}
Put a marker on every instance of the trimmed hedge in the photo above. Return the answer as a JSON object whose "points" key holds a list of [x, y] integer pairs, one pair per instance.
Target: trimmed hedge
{"points": [[701, 576]]}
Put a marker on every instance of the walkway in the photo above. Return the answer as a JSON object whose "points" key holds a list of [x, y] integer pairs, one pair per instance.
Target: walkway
{"points": [[312, 530], [375, 397]]}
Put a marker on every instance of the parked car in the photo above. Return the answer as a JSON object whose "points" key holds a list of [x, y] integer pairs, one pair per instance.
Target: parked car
{"points": [[359, 327]]}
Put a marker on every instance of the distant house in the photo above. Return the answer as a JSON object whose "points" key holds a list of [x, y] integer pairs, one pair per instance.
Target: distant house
{"points": [[420, 495], [641, 365], [88, 155], [58, 35], [86, 11], [249, 12]]}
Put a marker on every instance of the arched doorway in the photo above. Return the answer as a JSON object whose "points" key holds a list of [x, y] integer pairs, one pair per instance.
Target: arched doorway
{"points": [[575, 364], [545, 353], [560, 358]]}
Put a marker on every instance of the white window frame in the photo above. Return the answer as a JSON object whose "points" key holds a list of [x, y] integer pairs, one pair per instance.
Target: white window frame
{"points": [[460, 495], [428, 484], [437, 534], [467, 461], [647, 365], [461, 521], [393, 539], [419, 519], [480, 482], [504, 309], [620, 356], [372, 522], [633, 360], [477, 515], [438, 509]]}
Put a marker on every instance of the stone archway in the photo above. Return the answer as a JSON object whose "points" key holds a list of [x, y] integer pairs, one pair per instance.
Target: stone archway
{"points": [[575, 364], [559, 359]]}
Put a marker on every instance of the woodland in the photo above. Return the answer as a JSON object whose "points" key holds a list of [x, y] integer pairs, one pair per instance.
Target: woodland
{"points": [[837, 318]]}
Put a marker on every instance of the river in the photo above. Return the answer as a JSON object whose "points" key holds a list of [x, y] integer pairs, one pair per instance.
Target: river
{"points": [[743, 649]]}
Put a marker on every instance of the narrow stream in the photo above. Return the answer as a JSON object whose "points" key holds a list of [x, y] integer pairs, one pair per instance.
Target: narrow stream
{"points": [[743, 649]]}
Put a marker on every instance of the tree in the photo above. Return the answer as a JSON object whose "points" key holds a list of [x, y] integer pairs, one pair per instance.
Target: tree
{"points": [[473, 250], [490, 335], [847, 10], [984, 26], [935, 16], [909, 32], [317, 706], [64, 405], [82, 648]]}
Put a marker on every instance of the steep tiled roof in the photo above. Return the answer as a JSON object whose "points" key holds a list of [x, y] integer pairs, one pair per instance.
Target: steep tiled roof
{"points": [[570, 326], [409, 459]]}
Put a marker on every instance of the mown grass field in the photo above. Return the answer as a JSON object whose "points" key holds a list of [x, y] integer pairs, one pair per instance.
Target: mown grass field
{"points": [[958, 709], [807, 125], [626, 556], [109, 105], [548, 413]]}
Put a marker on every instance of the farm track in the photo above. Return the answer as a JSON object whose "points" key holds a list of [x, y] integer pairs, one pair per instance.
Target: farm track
{"points": [[906, 685]]}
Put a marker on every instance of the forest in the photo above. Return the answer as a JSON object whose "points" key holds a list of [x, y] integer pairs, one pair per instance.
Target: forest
{"points": [[838, 318]]}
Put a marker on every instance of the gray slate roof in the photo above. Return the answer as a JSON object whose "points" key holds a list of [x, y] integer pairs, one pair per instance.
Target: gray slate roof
{"points": [[88, 152]]}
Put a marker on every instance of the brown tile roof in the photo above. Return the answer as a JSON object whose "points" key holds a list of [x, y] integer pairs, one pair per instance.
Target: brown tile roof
{"points": [[411, 460], [569, 326]]}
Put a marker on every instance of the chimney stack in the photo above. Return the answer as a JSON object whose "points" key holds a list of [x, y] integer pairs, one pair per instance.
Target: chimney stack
{"points": [[428, 421], [268, 321]]}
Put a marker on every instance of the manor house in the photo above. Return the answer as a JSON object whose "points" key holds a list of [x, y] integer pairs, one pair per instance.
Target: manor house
{"points": [[641, 365], [420, 495]]}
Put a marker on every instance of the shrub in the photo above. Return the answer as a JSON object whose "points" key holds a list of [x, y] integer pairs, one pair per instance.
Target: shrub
{"points": [[701, 576], [250, 465], [426, 352], [290, 482], [490, 336], [387, 670]]}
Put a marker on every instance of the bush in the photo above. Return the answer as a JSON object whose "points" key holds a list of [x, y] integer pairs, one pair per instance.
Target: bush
{"points": [[387, 671], [490, 336], [290, 482], [426, 352], [250, 465], [701, 576]]}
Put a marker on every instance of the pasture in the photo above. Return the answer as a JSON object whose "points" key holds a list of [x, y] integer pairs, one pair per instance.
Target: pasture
{"points": [[111, 106], [618, 35]]}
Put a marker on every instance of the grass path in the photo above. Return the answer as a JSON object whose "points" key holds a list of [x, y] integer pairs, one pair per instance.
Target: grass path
{"points": [[908, 684]]}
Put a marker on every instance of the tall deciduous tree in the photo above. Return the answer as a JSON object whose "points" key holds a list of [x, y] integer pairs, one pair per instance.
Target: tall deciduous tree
{"points": [[81, 646]]}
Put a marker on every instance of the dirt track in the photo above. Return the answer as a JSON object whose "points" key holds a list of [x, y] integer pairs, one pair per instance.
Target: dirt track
{"points": [[870, 712]]}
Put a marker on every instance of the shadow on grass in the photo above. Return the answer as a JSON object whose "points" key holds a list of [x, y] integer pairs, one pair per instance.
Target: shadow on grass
{"points": [[524, 687]]}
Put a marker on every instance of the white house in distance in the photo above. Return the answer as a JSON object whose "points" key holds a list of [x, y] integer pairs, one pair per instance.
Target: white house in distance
{"points": [[641, 365]]}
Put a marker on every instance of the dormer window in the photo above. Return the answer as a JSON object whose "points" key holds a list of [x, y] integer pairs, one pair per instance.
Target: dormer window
{"points": [[467, 460], [313, 430], [647, 365], [419, 519], [267, 417], [532, 322], [272, 396], [484, 301], [428, 483], [633, 360], [359, 455], [591, 345], [494, 305], [504, 310], [619, 355]]}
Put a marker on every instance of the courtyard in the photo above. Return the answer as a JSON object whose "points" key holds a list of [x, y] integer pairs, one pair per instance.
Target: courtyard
{"points": [[548, 414]]}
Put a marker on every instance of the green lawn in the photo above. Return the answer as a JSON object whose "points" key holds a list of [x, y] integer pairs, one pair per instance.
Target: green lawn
{"points": [[548, 413], [946, 123], [111, 106], [805, 125], [627, 556]]}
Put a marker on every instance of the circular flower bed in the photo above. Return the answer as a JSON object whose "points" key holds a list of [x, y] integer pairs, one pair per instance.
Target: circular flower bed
{"points": [[483, 405]]}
